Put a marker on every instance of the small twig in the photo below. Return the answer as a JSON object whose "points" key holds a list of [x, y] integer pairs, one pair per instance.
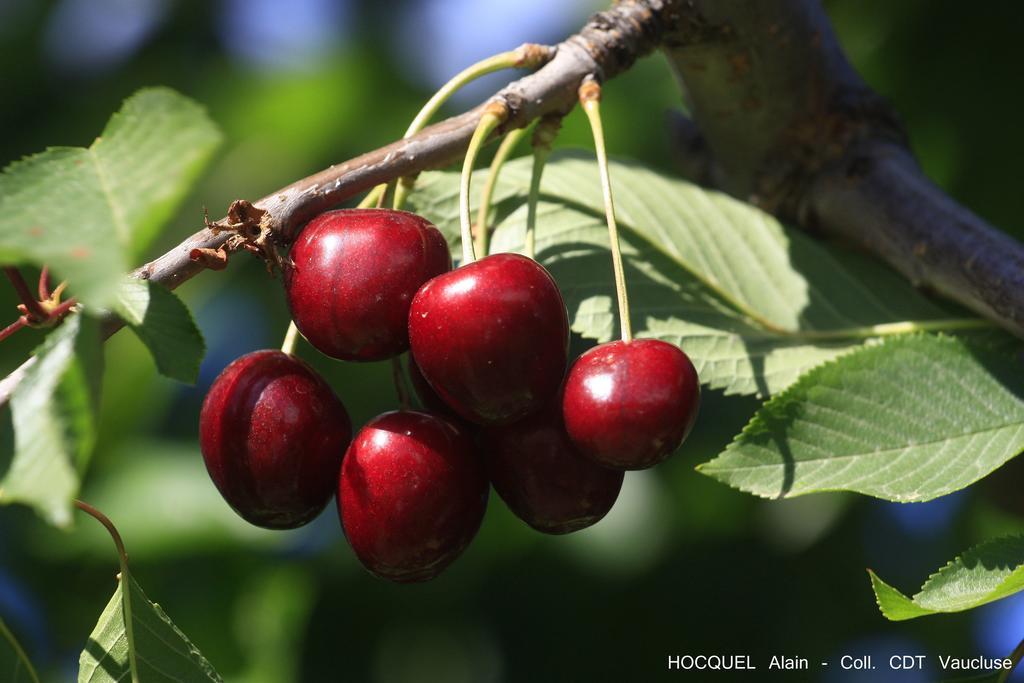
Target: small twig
{"points": [[59, 311], [13, 327], [44, 284], [33, 309]]}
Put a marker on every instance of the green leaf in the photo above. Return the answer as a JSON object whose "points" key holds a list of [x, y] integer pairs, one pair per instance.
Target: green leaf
{"points": [[146, 646], [753, 303], [15, 666], [54, 412], [909, 419], [987, 572], [89, 213], [165, 326]]}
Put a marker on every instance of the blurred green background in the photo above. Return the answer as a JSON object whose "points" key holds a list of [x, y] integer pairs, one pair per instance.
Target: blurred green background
{"points": [[681, 565]]}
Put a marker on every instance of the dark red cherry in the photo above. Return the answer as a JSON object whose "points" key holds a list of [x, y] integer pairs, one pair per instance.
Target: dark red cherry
{"points": [[273, 434], [428, 397], [630, 404], [541, 476], [491, 338], [411, 495], [355, 273]]}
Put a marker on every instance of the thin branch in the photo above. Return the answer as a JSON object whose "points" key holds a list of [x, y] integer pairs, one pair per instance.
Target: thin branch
{"points": [[13, 327]]}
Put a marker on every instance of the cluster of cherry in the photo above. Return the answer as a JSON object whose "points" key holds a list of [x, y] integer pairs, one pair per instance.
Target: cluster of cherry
{"points": [[489, 350]]}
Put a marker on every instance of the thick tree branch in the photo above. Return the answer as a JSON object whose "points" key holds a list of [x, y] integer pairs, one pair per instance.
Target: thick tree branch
{"points": [[793, 128]]}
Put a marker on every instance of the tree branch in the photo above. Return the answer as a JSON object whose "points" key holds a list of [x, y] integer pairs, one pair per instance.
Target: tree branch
{"points": [[607, 45], [794, 129]]}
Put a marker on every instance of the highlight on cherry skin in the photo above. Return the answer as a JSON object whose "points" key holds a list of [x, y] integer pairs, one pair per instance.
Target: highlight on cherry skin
{"points": [[272, 434], [354, 276], [411, 495], [630, 405], [491, 338], [537, 471]]}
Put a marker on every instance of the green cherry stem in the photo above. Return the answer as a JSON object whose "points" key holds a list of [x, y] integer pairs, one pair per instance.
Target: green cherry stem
{"points": [[291, 339], [126, 604], [508, 143], [526, 56], [494, 114], [373, 197], [590, 100], [19, 652], [543, 137]]}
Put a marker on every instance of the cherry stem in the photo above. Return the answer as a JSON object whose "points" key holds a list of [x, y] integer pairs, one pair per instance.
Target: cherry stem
{"points": [[44, 284], [13, 327], [590, 100], [508, 143], [402, 189], [543, 137], [291, 338], [1015, 657], [19, 652], [32, 306], [373, 197], [528, 56], [397, 376], [122, 555], [493, 116]]}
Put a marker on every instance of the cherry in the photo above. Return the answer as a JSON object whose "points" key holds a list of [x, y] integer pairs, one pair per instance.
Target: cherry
{"points": [[355, 273], [541, 476], [272, 434], [428, 397], [491, 338], [411, 495], [629, 405]]}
